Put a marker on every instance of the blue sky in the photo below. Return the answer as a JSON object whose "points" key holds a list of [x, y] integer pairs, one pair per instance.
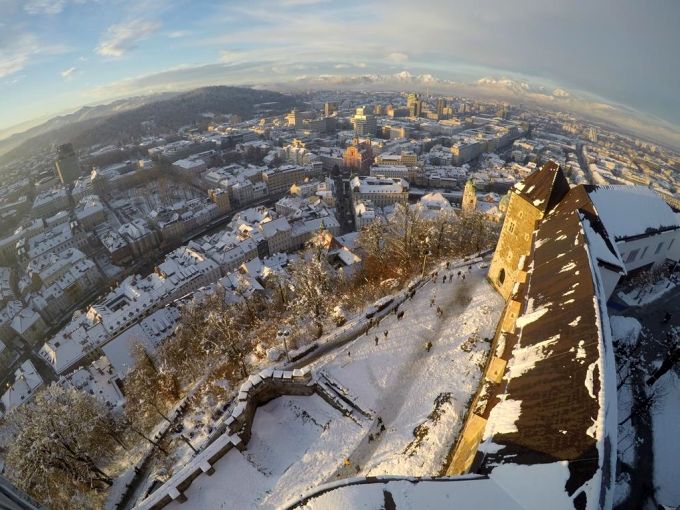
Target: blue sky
{"points": [[56, 55]]}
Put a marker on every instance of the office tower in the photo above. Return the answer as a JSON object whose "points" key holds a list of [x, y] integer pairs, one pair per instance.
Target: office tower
{"points": [[329, 109], [67, 164], [414, 104], [295, 118], [441, 106], [364, 122]]}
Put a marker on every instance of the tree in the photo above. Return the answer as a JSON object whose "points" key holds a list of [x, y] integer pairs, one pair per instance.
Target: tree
{"points": [[148, 389], [59, 439], [225, 324], [312, 281]]}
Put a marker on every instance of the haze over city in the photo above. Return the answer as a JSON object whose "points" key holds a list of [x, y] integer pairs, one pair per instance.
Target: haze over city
{"points": [[57, 55], [320, 255]]}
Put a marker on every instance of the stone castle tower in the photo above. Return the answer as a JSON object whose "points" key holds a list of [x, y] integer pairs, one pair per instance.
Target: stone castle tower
{"points": [[469, 202], [530, 200]]}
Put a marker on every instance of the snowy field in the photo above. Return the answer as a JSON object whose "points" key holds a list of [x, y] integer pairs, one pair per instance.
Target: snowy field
{"points": [[666, 425], [414, 386]]}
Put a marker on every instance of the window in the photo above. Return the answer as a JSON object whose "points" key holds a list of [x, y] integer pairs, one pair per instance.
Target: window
{"points": [[632, 255], [671, 243], [511, 227], [501, 276], [658, 248], [642, 255]]}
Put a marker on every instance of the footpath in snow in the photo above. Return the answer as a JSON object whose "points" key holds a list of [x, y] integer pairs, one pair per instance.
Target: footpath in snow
{"points": [[414, 384]]}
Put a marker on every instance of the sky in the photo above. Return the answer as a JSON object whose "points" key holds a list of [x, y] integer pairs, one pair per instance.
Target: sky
{"points": [[57, 55]]}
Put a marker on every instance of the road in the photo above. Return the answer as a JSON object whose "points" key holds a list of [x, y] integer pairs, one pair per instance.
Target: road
{"points": [[582, 162]]}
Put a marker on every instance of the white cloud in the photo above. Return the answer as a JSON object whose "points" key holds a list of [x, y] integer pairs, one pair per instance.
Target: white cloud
{"points": [[228, 56], [177, 34], [69, 73], [17, 49], [48, 7], [397, 57], [124, 37]]}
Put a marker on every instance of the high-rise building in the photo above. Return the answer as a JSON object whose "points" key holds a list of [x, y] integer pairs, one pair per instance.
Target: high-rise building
{"points": [[295, 118], [329, 109], [364, 122], [441, 106], [414, 104], [67, 164]]}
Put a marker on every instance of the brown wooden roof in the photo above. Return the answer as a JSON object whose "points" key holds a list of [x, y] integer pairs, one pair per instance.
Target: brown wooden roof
{"points": [[545, 187], [558, 408]]}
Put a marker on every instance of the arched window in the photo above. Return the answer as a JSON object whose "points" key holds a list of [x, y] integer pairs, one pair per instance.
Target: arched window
{"points": [[501, 276]]}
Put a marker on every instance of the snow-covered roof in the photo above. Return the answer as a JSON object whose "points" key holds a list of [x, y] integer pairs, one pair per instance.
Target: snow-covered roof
{"points": [[629, 211], [26, 381]]}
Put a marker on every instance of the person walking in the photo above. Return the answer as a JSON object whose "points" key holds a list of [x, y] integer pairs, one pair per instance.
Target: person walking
{"points": [[376, 340]]}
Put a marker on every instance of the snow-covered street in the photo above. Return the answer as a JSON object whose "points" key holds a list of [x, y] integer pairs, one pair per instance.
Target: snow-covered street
{"points": [[413, 375]]}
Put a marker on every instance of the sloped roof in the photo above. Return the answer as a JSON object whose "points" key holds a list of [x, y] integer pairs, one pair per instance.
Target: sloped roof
{"points": [[544, 188], [614, 205], [550, 409]]}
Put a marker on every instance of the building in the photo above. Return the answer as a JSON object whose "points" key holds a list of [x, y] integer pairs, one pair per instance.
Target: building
{"points": [[89, 212], [399, 171], [139, 237], [295, 118], [67, 164], [381, 191], [26, 382], [405, 158], [441, 106], [98, 379], [637, 242], [279, 180], [469, 203], [529, 202], [50, 202], [29, 326], [359, 157], [364, 122], [414, 103], [220, 197], [329, 109]]}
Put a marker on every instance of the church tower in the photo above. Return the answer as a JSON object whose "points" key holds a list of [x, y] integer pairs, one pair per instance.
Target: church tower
{"points": [[530, 200], [469, 203]]}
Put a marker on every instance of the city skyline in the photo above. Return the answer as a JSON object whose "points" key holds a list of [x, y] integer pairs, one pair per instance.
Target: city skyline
{"points": [[57, 55]]}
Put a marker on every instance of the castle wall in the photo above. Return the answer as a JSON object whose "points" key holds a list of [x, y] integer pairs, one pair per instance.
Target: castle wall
{"points": [[514, 243]]}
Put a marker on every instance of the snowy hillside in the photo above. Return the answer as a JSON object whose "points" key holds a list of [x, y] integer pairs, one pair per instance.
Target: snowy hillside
{"points": [[413, 386]]}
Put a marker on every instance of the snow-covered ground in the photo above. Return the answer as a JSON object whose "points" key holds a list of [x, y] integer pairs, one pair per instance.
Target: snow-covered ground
{"points": [[666, 425], [648, 294], [414, 385], [625, 330]]}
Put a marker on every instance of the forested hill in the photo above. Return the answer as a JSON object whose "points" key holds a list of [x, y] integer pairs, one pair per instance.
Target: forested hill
{"points": [[122, 121]]}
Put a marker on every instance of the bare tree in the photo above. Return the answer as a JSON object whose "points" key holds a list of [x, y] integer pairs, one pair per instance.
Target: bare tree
{"points": [[59, 438]]}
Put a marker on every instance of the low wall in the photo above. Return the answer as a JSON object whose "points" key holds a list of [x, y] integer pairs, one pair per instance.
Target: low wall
{"points": [[256, 391]]}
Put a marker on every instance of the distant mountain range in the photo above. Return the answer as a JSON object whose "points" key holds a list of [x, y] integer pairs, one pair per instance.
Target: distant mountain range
{"points": [[121, 121]]}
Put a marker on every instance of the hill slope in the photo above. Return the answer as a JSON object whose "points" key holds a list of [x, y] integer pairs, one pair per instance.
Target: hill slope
{"points": [[121, 121]]}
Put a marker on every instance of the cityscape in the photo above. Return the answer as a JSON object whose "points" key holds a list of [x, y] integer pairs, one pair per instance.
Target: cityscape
{"points": [[361, 286]]}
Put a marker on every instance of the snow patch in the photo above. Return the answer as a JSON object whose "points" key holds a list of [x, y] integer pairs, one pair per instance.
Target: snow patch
{"points": [[568, 267], [531, 317], [503, 417]]}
